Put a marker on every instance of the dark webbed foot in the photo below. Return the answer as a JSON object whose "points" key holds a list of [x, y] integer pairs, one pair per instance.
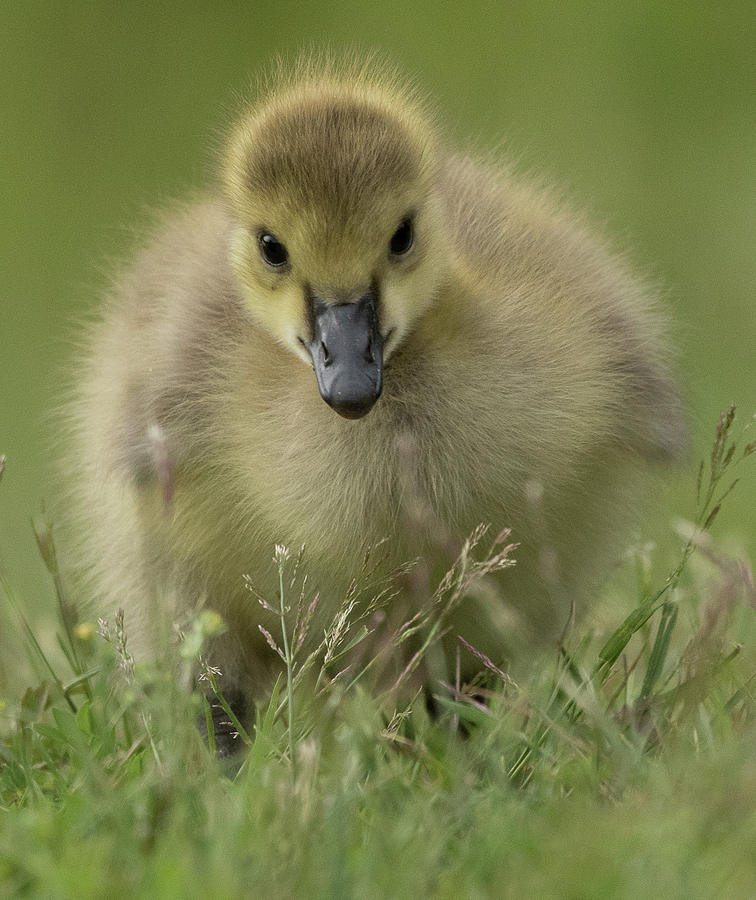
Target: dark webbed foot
{"points": [[227, 740]]}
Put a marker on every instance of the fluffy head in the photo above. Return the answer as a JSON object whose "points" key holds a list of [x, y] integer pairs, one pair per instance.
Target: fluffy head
{"points": [[331, 164]]}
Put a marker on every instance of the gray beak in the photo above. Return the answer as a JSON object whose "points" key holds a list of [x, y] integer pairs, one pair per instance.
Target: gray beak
{"points": [[347, 354]]}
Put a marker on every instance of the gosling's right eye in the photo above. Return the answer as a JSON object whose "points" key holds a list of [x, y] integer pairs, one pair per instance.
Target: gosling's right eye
{"points": [[272, 250], [402, 239]]}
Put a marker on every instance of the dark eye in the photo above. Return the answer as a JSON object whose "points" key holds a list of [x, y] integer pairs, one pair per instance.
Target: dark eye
{"points": [[402, 239], [273, 251]]}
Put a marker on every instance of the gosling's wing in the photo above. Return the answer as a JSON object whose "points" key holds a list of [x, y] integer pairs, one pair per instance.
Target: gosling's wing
{"points": [[153, 356], [536, 260]]}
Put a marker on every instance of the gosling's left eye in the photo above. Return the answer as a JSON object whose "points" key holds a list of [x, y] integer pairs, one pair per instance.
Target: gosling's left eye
{"points": [[402, 239], [273, 251]]}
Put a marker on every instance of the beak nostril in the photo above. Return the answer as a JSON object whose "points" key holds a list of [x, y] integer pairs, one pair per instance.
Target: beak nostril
{"points": [[326, 355]]}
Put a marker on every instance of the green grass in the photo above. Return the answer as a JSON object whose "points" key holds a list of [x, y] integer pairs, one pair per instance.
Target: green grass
{"points": [[621, 765]]}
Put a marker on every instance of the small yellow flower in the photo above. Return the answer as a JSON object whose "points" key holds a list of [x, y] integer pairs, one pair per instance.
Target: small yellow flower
{"points": [[84, 631]]}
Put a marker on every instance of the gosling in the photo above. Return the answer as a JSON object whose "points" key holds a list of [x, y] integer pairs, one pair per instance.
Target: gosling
{"points": [[357, 336]]}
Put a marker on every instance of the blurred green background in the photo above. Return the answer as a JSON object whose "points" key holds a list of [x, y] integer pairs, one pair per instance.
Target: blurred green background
{"points": [[645, 111]]}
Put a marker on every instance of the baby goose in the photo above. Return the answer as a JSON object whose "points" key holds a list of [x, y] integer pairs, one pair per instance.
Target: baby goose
{"points": [[362, 336]]}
